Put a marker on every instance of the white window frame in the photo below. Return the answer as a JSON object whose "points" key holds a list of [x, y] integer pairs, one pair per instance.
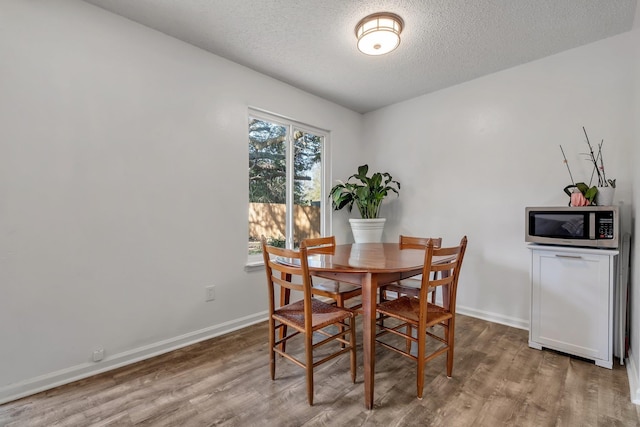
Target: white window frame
{"points": [[325, 206]]}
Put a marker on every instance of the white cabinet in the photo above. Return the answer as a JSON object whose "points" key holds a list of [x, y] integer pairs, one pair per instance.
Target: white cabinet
{"points": [[572, 295]]}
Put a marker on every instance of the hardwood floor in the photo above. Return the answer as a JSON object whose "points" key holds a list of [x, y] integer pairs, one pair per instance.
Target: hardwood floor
{"points": [[497, 380]]}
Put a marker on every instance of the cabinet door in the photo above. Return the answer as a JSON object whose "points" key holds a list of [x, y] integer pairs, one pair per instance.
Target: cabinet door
{"points": [[570, 303]]}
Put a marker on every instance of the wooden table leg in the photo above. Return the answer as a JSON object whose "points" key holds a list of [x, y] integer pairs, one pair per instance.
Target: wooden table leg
{"points": [[369, 288]]}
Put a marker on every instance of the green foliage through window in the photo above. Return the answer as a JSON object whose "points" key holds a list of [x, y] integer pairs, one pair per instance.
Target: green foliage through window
{"points": [[267, 164], [284, 159]]}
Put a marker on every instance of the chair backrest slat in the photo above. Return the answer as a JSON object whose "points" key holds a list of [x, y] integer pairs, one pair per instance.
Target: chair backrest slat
{"points": [[412, 242], [449, 271], [320, 245]]}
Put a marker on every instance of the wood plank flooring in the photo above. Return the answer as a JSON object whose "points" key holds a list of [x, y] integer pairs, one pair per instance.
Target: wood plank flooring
{"points": [[497, 381]]}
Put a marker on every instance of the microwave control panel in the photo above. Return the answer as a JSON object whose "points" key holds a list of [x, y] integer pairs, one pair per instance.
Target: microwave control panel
{"points": [[605, 226]]}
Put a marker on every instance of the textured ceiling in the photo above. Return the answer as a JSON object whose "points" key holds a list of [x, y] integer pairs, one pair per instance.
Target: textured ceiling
{"points": [[311, 44]]}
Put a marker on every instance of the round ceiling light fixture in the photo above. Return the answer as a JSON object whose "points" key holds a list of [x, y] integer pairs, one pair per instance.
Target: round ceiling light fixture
{"points": [[379, 33]]}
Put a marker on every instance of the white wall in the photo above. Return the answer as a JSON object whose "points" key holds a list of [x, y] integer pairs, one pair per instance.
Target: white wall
{"points": [[634, 356], [123, 190], [471, 158]]}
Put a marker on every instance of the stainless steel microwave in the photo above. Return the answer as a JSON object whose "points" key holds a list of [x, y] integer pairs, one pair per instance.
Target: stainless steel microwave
{"points": [[590, 226]]}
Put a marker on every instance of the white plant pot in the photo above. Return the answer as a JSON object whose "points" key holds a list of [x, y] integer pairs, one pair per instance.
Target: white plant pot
{"points": [[367, 230], [604, 197]]}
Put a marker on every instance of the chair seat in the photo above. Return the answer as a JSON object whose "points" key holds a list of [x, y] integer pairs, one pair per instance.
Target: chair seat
{"points": [[407, 286], [323, 314], [340, 292], [410, 287], [407, 309], [335, 287]]}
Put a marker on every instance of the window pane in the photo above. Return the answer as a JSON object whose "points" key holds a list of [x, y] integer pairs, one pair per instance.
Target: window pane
{"points": [[267, 183], [286, 182], [307, 194]]}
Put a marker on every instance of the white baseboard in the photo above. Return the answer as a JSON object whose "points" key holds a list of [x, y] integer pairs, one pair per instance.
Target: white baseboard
{"points": [[84, 370], [632, 374], [493, 317]]}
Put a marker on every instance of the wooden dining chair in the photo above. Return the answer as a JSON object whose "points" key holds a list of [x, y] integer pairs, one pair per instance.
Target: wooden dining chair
{"points": [[337, 291], [410, 286], [441, 269], [317, 322]]}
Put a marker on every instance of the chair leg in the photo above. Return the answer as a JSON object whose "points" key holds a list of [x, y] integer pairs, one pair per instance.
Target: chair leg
{"points": [[309, 365], [422, 337], [409, 331], [352, 353], [450, 342], [340, 303], [272, 344]]}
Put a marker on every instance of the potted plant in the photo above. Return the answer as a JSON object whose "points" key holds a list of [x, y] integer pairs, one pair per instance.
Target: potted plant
{"points": [[367, 193], [582, 194]]}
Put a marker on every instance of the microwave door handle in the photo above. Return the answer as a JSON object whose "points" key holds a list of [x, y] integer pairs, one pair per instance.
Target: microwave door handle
{"points": [[592, 226]]}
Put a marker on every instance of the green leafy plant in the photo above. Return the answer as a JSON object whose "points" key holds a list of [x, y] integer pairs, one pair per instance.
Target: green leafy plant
{"points": [[366, 192]]}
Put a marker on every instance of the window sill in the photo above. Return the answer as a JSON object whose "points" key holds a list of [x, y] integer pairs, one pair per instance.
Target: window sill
{"points": [[254, 266]]}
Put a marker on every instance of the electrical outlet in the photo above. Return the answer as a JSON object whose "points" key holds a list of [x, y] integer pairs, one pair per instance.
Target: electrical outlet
{"points": [[98, 355], [210, 293]]}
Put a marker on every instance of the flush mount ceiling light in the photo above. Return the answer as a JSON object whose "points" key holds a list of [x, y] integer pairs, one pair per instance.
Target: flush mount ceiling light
{"points": [[379, 33]]}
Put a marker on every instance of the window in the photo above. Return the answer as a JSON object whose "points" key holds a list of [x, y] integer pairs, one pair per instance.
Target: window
{"points": [[287, 170]]}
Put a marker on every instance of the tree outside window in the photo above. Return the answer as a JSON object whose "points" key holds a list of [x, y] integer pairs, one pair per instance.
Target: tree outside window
{"points": [[285, 182]]}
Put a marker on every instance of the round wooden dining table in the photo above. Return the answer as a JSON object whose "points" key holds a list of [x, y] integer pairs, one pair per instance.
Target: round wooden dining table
{"points": [[368, 265]]}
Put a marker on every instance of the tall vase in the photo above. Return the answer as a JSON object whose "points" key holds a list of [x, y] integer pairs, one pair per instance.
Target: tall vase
{"points": [[604, 197]]}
